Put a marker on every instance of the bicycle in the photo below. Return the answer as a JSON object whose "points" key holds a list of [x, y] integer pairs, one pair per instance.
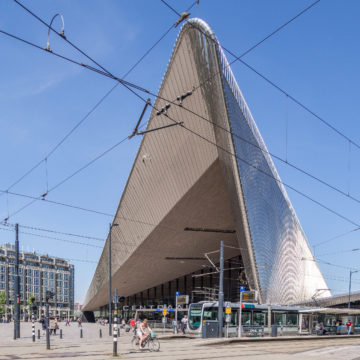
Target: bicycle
{"points": [[151, 342]]}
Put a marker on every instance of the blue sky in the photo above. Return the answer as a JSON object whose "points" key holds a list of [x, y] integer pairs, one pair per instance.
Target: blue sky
{"points": [[315, 59]]}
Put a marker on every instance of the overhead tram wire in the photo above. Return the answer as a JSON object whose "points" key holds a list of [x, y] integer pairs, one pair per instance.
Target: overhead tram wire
{"points": [[173, 102], [335, 237], [46, 157], [96, 246], [55, 232], [142, 89], [139, 96], [258, 169], [96, 105], [238, 58]]}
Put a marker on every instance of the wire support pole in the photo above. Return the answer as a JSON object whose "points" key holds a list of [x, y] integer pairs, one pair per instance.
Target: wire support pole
{"points": [[221, 290], [110, 311]]}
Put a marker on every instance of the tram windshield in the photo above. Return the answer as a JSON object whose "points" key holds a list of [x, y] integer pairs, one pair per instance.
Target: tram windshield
{"points": [[195, 316]]}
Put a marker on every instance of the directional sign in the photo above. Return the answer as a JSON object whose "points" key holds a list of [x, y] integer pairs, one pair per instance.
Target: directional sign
{"points": [[242, 288], [228, 310], [182, 299], [164, 312], [177, 293]]}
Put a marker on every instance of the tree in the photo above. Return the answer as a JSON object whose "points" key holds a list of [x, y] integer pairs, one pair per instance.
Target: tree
{"points": [[2, 302]]}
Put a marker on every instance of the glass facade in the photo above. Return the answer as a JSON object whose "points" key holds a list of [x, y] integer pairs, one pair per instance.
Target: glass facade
{"points": [[34, 279]]}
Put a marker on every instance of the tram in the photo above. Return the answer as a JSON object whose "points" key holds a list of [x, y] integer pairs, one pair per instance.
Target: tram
{"points": [[256, 319]]}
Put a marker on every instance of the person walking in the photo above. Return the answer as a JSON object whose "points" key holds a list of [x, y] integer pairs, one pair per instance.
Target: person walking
{"points": [[349, 326], [79, 321], [184, 322], [43, 325]]}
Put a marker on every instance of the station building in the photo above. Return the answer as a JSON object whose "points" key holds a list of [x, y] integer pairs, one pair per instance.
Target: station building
{"points": [[208, 177]]}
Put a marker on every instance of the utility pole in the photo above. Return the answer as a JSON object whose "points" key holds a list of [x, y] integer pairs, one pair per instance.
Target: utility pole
{"points": [[16, 287], [110, 280], [221, 290], [351, 272], [110, 311]]}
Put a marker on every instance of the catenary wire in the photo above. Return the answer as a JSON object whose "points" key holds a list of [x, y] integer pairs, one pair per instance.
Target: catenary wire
{"points": [[237, 58], [91, 111], [273, 155], [101, 100], [142, 89], [157, 96]]}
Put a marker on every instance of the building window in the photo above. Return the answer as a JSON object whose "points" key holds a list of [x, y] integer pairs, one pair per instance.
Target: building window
{"points": [[60, 276], [12, 270], [2, 286], [66, 292], [2, 268], [29, 280], [59, 283], [66, 277], [51, 275], [29, 272], [29, 289], [66, 284], [36, 273], [52, 283], [45, 274], [36, 289], [45, 283], [2, 277], [66, 299], [21, 271], [36, 281]]}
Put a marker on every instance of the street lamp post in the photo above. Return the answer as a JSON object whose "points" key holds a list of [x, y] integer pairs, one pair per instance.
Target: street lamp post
{"points": [[351, 272], [110, 311]]}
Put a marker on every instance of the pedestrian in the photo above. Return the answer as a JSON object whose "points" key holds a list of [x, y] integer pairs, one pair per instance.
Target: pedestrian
{"points": [[79, 321], [55, 325], [349, 326], [132, 324], [184, 322], [43, 325]]}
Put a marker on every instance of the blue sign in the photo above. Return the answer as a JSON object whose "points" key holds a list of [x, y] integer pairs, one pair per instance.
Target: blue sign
{"points": [[178, 293], [242, 288]]}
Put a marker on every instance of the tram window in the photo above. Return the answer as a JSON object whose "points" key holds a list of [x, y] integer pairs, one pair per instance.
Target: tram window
{"points": [[246, 318], [210, 313], [259, 318], [292, 319], [280, 318], [195, 316], [330, 320]]}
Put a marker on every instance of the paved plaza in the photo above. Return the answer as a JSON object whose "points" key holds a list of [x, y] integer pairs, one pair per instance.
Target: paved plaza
{"points": [[92, 347]]}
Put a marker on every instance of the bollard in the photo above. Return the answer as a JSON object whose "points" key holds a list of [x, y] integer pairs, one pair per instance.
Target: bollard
{"points": [[60, 333], [118, 332], [38, 333], [115, 339], [100, 333], [33, 328], [81, 333]]}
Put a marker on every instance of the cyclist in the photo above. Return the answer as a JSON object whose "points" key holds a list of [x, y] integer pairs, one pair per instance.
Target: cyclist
{"points": [[143, 332]]}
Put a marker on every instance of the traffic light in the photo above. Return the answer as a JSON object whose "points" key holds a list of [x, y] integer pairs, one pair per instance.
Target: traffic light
{"points": [[33, 306], [49, 295]]}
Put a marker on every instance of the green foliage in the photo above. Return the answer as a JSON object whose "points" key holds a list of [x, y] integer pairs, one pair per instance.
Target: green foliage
{"points": [[2, 302]]}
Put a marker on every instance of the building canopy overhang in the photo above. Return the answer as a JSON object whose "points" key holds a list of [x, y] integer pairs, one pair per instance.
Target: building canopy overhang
{"points": [[203, 174]]}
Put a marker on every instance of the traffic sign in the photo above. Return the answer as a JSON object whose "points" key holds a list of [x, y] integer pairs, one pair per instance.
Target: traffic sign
{"points": [[177, 293], [164, 312], [242, 288], [228, 310]]}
